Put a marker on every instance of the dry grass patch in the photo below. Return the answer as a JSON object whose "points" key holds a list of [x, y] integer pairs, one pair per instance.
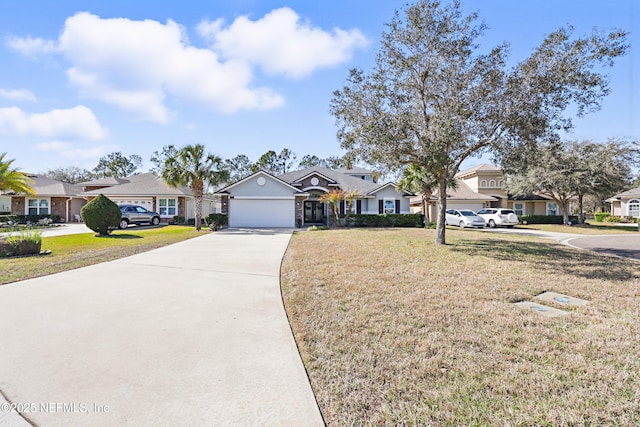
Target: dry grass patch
{"points": [[396, 331]]}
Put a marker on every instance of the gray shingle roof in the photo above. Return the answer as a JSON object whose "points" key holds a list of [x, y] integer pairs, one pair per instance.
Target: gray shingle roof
{"points": [[634, 192], [346, 182], [44, 186], [146, 184]]}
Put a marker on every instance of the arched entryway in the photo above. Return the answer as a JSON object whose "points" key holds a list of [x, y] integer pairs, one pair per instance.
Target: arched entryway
{"points": [[315, 212]]}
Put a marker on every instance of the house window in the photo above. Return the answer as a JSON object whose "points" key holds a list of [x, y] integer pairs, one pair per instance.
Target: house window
{"points": [[552, 208], [168, 207], [38, 207], [633, 208], [389, 206], [483, 183], [518, 207], [492, 184]]}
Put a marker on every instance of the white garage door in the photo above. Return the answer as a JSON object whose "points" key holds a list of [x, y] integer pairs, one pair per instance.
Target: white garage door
{"points": [[255, 213], [473, 206], [145, 202]]}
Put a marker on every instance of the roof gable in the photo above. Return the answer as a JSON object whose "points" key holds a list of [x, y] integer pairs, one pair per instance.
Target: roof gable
{"points": [[255, 176]]}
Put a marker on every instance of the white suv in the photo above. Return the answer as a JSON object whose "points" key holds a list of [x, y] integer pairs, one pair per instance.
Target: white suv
{"points": [[498, 216]]}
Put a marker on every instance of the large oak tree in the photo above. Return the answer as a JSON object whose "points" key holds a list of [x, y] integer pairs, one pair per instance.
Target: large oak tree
{"points": [[434, 99]]}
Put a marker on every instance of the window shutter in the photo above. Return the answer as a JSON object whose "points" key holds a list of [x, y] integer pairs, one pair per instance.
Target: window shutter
{"points": [[380, 206], [342, 207], [397, 206], [358, 206]]}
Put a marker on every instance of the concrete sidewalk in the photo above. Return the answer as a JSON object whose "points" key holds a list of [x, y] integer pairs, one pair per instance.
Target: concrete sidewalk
{"points": [[190, 334]]}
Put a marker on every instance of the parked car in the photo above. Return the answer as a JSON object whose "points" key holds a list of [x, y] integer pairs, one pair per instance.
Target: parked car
{"points": [[495, 217], [463, 218], [134, 214]]}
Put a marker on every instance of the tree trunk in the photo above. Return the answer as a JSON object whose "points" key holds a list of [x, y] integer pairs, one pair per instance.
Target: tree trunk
{"points": [[564, 210], [442, 208], [198, 190], [425, 211], [581, 208]]}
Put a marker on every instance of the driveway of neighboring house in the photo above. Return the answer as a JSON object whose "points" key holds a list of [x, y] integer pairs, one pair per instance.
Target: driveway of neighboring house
{"points": [[626, 246], [623, 245], [193, 333]]}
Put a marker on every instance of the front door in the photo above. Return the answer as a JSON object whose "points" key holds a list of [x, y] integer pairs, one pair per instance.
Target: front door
{"points": [[313, 212]]}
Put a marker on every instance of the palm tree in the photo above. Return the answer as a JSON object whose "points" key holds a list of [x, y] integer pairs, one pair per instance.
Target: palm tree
{"points": [[417, 179], [12, 179], [192, 167], [333, 199]]}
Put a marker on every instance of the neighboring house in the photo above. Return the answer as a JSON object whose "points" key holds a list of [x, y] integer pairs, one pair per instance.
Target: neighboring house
{"points": [[51, 197], [482, 186], [626, 203], [292, 199], [151, 192]]}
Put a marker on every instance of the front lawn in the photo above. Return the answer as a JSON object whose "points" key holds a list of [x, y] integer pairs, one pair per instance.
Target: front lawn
{"points": [[396, 331], [79, 250]]}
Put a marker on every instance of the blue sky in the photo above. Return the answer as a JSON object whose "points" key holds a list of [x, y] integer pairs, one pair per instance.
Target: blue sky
{"points": [[81, 79]]}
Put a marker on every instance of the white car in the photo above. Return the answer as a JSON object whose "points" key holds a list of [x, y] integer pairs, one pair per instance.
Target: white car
{"points": [[495, 217], [464, 218]]}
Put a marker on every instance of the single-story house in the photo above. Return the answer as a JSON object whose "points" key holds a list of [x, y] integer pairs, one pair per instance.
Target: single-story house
{"points": [[293, 199], [51, 197], [151, 192], [626, 203], [482, 186]]}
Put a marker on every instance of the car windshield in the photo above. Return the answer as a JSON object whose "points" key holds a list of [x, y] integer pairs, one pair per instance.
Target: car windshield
{"points": [[467, 213]]}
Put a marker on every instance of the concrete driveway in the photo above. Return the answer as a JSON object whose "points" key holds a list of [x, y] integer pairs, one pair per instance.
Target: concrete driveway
{"points": [[623, 245], [190, 334]]}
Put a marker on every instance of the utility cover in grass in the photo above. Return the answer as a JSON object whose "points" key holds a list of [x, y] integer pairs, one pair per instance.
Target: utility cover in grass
{"points": [[542, 309], [562, 299]]}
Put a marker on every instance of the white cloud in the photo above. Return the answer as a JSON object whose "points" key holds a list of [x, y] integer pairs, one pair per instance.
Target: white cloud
{"points": [[17, 95], [30, 46], [88, 153], [136, 64], [74, 123], [281, 43], [53, 146], [139, 66]]}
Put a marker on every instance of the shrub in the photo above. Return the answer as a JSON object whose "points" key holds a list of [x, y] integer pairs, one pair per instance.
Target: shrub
{"points": [[218, 218], [27, 242], [612, 218], [317, 228], [101, 215], [545, 219], [601, 216], [178, 219], [387, 220], [23, 219]]}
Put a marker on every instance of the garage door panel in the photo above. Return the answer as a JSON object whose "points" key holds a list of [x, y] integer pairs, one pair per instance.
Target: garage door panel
{"points": [[255, 213], [473, 206]]}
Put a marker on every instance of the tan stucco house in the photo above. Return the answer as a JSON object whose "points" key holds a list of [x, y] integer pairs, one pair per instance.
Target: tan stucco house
{"points": [[482, 186], [626, 203]]}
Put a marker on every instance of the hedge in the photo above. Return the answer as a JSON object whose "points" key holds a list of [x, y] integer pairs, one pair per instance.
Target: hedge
{"points": [[23, 219], [218, 218], [601, 216], [545, 219], [387, 220]]}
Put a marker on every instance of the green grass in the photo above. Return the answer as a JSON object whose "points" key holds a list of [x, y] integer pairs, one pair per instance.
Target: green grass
{"points": [[394, 330], [79, 250]]}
